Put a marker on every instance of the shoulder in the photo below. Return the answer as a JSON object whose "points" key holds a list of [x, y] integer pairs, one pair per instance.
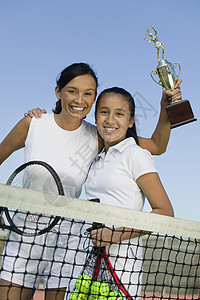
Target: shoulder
{"points": [[135, 154], [136, 160], [130, 148], [38, 125], [140, 161], [91, 129], [138, 153], [45, 118]]}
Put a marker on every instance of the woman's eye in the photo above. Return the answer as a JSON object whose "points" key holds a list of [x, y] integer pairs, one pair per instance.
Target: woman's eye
{"points": [[71, 92], [88, 94]]}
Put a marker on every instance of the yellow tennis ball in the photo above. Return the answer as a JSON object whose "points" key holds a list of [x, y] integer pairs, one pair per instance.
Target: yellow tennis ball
{"points": [[115, 296], [94, 290], [82, 296], [104, 289], [92, 297], [102, 298], [73, 295], [83, 283]]}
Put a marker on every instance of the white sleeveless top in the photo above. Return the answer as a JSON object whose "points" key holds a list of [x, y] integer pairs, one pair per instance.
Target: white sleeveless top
{"points": [[70, 153]]}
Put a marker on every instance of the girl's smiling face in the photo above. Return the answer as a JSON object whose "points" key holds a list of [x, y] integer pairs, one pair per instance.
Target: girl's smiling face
{"points": [[113, 118]]}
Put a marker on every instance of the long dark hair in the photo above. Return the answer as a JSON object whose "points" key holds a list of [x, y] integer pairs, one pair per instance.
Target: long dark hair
{"points": [[69, 73], [131, 132]]}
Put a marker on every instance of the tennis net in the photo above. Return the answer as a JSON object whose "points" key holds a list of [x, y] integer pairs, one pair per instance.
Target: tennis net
{"points": [[161, 262]]}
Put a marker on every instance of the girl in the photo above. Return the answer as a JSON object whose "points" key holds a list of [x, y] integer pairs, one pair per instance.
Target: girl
{"points": [[122, 175]]}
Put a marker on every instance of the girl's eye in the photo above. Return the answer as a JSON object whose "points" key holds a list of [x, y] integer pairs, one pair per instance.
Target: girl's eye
{"points": [[88, 94], [71, 92], [103, 112]]}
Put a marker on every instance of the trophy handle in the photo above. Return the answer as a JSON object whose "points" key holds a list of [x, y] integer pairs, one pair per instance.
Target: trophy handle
{"points": [[155, 72], [174, 66]]}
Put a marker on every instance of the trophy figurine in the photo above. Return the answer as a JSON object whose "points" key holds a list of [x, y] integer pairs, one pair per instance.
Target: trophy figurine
{"points": [[179, 112]]}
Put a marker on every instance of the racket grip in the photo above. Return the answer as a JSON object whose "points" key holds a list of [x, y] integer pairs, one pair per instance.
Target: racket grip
{"points": [[97, 200], [95, 225]]}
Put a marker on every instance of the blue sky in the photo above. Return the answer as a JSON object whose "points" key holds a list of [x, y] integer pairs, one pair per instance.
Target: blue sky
{"points": [[39, 38]]}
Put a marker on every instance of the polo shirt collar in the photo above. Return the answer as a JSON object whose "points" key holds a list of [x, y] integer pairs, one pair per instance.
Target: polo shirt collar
{"points": [[119, 147], [124, 144]]}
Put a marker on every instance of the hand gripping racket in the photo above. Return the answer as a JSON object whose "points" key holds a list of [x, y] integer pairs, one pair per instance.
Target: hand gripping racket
{"points": [[38, 176]]}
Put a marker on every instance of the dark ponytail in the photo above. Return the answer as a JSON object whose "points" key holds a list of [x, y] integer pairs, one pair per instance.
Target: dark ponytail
{"points": [[58, 107], [131, 132]]}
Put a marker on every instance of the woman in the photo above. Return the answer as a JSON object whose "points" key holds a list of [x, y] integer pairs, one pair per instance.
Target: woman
{"points": [[58, 139], [122, 175], [69, 145]]}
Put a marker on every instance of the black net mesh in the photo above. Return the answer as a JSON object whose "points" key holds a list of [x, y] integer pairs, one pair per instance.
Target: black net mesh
{"points": [[151, 265]]}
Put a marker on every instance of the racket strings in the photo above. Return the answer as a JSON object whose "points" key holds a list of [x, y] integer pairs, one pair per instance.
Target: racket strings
{"points": [[39, 178]]}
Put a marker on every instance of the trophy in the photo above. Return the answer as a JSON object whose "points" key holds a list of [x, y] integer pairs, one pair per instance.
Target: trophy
{"points": [[179, 112]]}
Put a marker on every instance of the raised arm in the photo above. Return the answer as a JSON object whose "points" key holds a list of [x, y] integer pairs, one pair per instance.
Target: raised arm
{"points": [[15, 139], [157, 144]]}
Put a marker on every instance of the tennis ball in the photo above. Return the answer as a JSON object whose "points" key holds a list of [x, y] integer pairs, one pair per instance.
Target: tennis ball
{"points": [[93, 297], [73, 295], [115, 296], [83, 283], [95, 288], [82, 296], [102, 298], [104, 289]]}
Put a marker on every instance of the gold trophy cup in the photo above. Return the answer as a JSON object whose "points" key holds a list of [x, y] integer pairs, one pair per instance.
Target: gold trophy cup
{"points": [[179, 112]]}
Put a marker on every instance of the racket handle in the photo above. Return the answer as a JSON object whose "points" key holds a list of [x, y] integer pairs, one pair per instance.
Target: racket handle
{"points": [[95, 225], [97, 200]]}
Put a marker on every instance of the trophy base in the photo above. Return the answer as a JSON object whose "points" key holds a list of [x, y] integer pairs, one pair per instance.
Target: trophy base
{"points": [[180, 113]]}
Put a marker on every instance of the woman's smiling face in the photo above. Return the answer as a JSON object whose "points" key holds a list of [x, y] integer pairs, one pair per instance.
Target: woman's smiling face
{"points": [[77, 97]]}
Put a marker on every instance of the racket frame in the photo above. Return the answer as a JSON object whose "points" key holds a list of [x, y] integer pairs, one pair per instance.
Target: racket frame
{"points": [[102, 254], [59, 185]]}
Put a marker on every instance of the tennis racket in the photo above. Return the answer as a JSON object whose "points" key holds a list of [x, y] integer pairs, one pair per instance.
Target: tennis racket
{"points": [[38, 176], [99, 267]]}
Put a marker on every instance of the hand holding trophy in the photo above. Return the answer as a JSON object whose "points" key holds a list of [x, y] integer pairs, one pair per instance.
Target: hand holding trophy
{"points": [[179, 112]]}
